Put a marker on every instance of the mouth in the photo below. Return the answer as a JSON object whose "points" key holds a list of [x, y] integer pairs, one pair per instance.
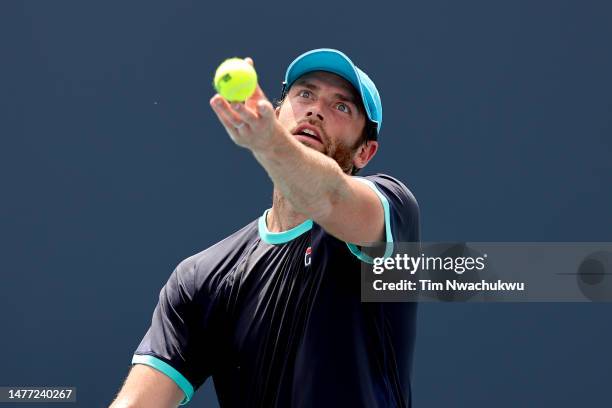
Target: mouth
{"points": [[308, 132]]}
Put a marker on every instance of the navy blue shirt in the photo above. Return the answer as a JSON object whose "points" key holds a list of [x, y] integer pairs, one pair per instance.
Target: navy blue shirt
{"points": [[276, 318]]}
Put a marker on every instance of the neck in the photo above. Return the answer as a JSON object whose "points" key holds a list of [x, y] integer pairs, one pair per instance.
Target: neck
{"points": [[282, 216]]}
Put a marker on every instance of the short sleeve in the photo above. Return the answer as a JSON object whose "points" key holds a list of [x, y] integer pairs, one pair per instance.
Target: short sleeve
{"points": [[401, 212], [177, 341]]}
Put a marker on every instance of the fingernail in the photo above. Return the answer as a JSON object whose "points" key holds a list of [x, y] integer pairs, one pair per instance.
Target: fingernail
{"points": [[237, 106]]}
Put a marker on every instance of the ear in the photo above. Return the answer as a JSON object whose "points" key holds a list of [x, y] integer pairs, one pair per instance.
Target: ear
{"points": [[277, 111], [365, 153]]}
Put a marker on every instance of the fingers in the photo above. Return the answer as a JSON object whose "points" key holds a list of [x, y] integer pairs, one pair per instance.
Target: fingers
{"points": [[226, 115], [245, 113], [231, 125], [265, 109], [257, 106], [232, 115], [222, 107]]}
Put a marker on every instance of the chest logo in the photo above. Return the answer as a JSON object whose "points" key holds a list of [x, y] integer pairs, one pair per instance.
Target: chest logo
{"points": [[307, 256]]}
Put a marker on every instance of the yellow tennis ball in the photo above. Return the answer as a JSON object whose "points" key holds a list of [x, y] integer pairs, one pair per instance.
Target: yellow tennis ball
{"points": [[235, 80]]}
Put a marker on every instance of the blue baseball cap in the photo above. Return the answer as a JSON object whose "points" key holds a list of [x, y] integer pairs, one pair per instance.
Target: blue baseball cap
{"points": [[330, 60]]}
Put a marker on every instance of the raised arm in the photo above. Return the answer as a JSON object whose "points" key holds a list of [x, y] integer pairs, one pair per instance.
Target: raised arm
{"points": [[312, 182]]}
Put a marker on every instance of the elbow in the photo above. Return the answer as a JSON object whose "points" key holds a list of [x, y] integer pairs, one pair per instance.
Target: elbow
{"points": [[326, 204], [320, 210], [317, 208], [321, 199]]}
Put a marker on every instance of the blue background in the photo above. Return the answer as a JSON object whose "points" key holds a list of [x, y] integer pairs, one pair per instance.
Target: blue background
{"points": [[113, 167]]}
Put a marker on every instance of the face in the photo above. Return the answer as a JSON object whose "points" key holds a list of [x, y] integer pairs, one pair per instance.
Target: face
{"points": [[323, 111]]}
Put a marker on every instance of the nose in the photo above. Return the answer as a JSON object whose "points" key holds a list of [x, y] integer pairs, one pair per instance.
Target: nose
{"points": [[312, 112]]}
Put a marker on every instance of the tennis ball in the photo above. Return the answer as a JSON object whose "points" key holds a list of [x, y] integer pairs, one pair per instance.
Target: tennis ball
{"points": [[235, 80]]}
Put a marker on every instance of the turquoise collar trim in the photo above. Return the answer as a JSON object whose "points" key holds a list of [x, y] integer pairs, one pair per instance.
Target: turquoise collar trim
{"points": [[284, 236]]}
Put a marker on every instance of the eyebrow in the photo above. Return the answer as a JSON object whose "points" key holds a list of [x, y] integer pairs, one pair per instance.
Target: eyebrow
{"points": [[314, 87]]}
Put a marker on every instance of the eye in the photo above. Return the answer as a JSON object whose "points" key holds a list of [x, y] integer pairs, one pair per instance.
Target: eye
{"points": [[344, 107], [304, 91]]}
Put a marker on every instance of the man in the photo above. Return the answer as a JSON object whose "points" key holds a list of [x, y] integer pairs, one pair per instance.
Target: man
{"points": [[273, 312]]}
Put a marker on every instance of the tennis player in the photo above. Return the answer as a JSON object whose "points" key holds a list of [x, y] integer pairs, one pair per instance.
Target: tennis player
{"points": [[273, 312]]}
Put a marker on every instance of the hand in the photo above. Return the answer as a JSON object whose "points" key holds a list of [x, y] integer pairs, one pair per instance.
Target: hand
{"points": [[251, 124]]}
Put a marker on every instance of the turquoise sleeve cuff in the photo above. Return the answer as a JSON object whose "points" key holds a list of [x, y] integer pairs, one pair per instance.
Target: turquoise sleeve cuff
{"points": [[167, 369], [388, 235]]}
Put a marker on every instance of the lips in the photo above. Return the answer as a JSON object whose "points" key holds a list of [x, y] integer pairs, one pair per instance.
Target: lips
{"points": [[308, 131]]}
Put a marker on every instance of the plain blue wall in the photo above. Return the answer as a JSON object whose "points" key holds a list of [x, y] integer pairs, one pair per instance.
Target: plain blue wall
{"points": [[497, 115]]}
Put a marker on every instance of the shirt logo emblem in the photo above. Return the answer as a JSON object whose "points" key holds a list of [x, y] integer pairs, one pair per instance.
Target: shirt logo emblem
{"points": [[307, 256]]}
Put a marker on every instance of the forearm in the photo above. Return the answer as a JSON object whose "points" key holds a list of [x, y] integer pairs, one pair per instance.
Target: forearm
{"points": [[309, 180]]}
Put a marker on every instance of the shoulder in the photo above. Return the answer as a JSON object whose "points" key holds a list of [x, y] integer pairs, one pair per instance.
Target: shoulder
{"points": [[394, 187], [206, 269], [401, 207]]}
